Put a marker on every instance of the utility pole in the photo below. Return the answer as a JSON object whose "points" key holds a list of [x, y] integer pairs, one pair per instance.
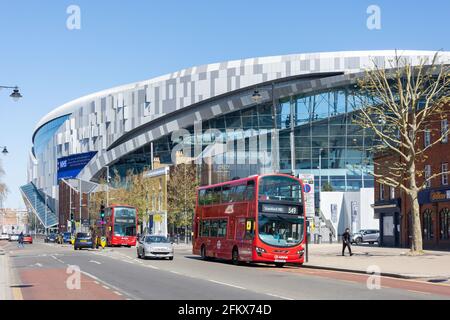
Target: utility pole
{"points": [[107, 186], [46, 225], [80, 195]]}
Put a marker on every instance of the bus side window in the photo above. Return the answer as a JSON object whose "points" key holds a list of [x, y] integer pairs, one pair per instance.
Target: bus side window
{"points": [[214, 228], [226, 194], [205, 228], [216, 193], [249, 229], [208, 197], [201, 197], [222, 229], [250, 191], [239, 193]]}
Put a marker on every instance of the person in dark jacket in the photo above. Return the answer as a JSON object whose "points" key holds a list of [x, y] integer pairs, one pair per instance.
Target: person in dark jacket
{"points": [[20, 241], [346, 240]]}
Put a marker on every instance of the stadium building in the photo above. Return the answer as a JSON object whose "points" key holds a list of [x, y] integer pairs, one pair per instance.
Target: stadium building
{"points": [[291, 114]]}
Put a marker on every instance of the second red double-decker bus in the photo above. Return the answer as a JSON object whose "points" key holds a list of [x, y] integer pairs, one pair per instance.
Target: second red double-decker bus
{"points": [[256, 219], [121, 225]]}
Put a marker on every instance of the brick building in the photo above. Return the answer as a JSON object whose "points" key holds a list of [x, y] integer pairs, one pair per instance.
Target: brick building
{"points": [[392, 206]]}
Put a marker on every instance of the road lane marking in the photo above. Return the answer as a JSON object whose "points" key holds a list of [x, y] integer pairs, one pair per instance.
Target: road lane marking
{"points": [[227, 284], [175, 272], [278, 296], [118, 293], [421, 292], [59, 260], [96, 282], [109, 285], [93, 261], [106, 287], [152, 267]]}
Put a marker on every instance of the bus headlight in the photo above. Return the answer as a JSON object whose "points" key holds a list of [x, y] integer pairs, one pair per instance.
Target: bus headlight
{"points": [[259, 251], [301, 252]]}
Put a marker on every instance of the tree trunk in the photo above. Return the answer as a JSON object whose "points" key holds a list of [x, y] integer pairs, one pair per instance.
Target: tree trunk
{"points": [[416, 243]]}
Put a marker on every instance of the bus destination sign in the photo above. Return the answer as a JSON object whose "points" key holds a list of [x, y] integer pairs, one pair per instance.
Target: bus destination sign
{"points": [[279, 208]]}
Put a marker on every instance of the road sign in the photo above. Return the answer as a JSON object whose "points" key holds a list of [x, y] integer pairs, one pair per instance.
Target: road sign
{"points": [[308, 189]]}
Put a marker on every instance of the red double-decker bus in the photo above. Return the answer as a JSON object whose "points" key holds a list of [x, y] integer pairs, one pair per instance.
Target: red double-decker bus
{"points": [[256, 219], [120, 225]]}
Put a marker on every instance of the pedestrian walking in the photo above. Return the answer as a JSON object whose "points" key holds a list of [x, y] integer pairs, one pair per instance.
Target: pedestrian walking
{"points": [[20, 241], [346, 238]]}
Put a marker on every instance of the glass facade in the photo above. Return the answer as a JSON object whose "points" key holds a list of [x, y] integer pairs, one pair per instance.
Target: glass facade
{"points": [[319, 128], [45, 133]]}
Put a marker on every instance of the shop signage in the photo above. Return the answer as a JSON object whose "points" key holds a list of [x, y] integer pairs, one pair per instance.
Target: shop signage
{"points": [[442, 195]]}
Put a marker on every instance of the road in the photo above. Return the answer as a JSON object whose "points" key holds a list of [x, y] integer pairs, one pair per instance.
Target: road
{"points": [[43, 271]]}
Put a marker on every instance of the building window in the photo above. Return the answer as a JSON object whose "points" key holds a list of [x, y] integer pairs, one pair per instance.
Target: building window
{"points": [[428, 175], [427, 137], [444, 130], [392, 193], [428, 232], [381, 191], [444, 171], [444, 221]]}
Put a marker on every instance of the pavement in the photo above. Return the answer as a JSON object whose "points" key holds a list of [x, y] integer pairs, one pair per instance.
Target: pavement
{"points": [[393, 262], [48, 271]]}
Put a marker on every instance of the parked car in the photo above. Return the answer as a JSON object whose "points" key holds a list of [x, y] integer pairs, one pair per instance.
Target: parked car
{"points": [[4, 236], [83, 240], [52, 237], [66, 236], [27, 238], [366, 236], [13, 237], [155, 246]]}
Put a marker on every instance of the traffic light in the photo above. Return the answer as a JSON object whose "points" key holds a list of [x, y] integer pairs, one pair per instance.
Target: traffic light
{"points": [[71, 215], [102, 212]]}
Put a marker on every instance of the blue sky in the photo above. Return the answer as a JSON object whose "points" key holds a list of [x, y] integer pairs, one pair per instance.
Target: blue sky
{"points": [[126, 41]]}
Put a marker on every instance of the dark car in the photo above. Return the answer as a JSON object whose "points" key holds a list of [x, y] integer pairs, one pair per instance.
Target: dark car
{"points": [[52, 237], [83, 240], [27, 238]]}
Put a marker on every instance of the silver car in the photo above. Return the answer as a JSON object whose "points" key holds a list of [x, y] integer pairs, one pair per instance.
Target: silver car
{"points": [[366, 235], [154, 246]]}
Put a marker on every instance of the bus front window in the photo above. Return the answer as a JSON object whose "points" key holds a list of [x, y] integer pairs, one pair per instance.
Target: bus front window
{"points": [[280, 231], [125, 222], [280, 188]]}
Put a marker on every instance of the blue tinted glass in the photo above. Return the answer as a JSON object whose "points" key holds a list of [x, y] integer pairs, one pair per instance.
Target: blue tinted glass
{"points": [[46, 132]]}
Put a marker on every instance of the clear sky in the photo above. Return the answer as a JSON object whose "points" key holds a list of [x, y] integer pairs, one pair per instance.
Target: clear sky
{"points": [[126, 41]]}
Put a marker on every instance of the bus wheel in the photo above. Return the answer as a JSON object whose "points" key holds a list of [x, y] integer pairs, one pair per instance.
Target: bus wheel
{"points": [[235, 256], [279, 264]]}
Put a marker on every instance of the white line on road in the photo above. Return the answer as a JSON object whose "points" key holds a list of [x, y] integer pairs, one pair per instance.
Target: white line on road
{"points": [[227, 284], [421, 292], [152, 267], [93, 261], [118, 293], [96, 282], [175, 272], [278, 296], [106, 287]]}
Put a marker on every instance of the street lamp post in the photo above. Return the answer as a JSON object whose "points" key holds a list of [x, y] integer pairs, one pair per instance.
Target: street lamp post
{"points": [[15, 95]]}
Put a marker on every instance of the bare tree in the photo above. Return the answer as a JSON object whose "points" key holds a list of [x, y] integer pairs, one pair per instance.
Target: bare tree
{"points": [[402, 105], [3, 188]]}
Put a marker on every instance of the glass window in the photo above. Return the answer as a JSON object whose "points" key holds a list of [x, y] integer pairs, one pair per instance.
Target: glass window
{"points": [[428, 232], [381, 191], [204, 232], [156, 239], [279, 188], [214, 228], [202, 197], [280, 230], [249, 229], [444, 131], [444, 174], [227, 194], [222, 231], [250, 190], [444, 222], [428, 175], [427, 137]]}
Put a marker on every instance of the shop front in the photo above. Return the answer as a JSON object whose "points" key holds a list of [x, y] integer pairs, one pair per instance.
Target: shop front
{"points": [[388, 213]]}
